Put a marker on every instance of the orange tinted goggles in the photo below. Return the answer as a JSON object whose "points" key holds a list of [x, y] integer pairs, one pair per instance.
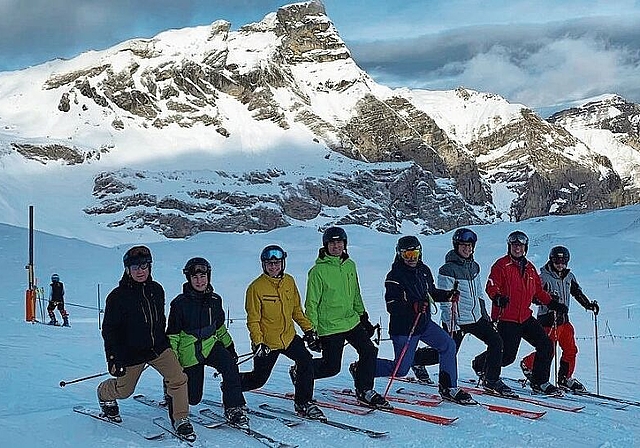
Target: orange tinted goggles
{"points": [[410, 254]]}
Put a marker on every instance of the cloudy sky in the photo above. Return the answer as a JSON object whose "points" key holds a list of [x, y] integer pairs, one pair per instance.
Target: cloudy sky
{"points": [[541, 53]]}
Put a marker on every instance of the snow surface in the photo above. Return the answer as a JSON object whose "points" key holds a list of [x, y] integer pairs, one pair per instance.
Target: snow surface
{"points": [[36, 412]]}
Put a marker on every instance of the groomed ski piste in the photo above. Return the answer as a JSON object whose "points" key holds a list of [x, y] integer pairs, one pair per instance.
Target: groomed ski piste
{"points": [[35, 412]]}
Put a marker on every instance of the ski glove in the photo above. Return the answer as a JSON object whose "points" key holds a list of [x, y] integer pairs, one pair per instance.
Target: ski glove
{"points": [[232, 351], [593, 306], [454, 296], [115, 368], [558, 307], [312, 340], [368, 326], [421, 306], [261, 350], [500, 301]]}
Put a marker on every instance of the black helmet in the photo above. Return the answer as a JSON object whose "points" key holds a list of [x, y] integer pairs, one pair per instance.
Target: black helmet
{"points": [[408, 243], [197, 265], [518, 237], [334, 234], [55, 278], [137, 255], [560, 253], [273, 252], [464, 235]]}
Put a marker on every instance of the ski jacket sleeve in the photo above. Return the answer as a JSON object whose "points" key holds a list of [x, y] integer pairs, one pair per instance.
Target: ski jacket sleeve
{"points": [[298, 315], [313, 295], [576, 292], [253, 308]]}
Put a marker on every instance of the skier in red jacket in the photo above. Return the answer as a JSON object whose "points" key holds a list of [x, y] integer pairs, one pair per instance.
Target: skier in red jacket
{"points": [[512, 286]]}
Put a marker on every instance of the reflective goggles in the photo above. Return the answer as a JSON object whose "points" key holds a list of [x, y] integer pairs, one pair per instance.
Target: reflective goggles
{"points": [[410, 254], [273, 254], [198, 269], [519, 239], [468, 237], [560, 260], [139, 267]]}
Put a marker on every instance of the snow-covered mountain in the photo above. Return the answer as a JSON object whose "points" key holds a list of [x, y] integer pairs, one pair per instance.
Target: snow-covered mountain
{"points": [[275, 125]]}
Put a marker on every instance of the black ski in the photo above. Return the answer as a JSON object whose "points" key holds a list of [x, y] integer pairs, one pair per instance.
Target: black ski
{"points": [[133, 425], [262, 438], [287, 421], [207, 423], [335, 424], [609, 398]]}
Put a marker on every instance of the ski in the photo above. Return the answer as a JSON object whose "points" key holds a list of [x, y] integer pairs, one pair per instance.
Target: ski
{"points": [[608, 397], [286, 421], [262, 438], [533, 415], [207, 423], [335, 424], [323, 404], [418, 415], [129, 424], [163, 422], [426, 402]]}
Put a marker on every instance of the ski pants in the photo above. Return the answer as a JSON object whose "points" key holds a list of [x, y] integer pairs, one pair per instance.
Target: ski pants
{"points": [[174, 378], [490, 364], [531, 331], [53, 304], [331, 361], [438, 340], [262, 367], [564, 335], [220, 359]]}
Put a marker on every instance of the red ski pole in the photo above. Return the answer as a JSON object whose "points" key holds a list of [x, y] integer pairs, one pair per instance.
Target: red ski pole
{"points": [[402, 353]]}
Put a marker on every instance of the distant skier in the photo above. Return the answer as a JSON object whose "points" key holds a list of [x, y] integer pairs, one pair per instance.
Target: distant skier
{"points": [[56, 300], [512, 285], [560, 281]]}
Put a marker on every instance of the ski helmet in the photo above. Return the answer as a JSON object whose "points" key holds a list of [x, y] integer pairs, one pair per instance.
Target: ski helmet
{"points": [[560, 253], [137, 255], [273, 252], [408, 244], [55, 278], [334, 234], [464, 235], [520, 238], [197, 265]]}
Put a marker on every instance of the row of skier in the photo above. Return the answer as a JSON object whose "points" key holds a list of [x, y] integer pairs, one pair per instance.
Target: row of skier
{"points": [[136, 332]]}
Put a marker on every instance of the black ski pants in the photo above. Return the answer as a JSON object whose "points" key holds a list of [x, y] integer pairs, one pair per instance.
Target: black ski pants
{"points": [[221, 360], [331, 361], [531, 331], [489, 362], [263, 365]]}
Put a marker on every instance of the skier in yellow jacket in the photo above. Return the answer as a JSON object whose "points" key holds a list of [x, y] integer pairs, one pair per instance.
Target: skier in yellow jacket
{"points": [[273, 305]]}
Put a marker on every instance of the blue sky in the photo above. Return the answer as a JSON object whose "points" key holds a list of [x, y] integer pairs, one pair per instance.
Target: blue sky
{"points": [[539, 53]]}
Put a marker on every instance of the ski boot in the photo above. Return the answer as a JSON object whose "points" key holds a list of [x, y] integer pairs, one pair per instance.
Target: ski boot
{"points": [[546, 389], [237, 416], [572, 385], [498, 387], [184, 429], [456, 395], [422, 375], [309, 410], [110, 410], [373, 399]]}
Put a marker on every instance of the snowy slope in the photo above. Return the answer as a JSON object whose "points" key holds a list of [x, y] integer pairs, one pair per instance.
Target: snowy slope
{"points": [[36, 412]]}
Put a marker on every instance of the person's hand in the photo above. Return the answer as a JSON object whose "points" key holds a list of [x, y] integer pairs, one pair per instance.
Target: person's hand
{"points": [[558, 307], [232, 351], [593, 306], [368, 326], [421, 306], [261, 350], [500, 301], [115, 368], [312, 340], [455, 296]]}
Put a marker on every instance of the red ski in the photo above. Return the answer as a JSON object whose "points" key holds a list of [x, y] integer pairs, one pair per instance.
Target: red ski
{"points": [[427, 401], [323, 404], [347, 398], [533, 415]]}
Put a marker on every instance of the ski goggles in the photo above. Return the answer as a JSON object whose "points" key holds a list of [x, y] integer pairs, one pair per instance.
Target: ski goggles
{"points": [[519, 238], [410, 254], [137, 255], [560, 260], [139, 267], [198, 269], [468, 237], [273, 254]]}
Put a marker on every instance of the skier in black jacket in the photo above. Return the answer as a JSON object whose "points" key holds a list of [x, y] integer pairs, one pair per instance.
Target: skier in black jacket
{"points": [[56, 300], [134, 335]]}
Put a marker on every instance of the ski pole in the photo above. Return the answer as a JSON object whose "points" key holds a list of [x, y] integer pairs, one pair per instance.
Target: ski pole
{"points": [[595, 327], [402, 353], [249, 356], [77, 380], [555, 346]]}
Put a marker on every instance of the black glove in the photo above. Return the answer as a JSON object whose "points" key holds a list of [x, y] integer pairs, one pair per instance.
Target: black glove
{"points": [[500, 301], [261, 350], [421, 306], [232, 351], [558, 307], [593, 306], [312, 340], [368, 327], [115, 368]]}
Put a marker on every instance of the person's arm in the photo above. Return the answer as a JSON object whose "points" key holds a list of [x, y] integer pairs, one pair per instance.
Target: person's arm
{"points": [[358, 304], [254, 314], [313, 295], [173, 327], [298, 315]]}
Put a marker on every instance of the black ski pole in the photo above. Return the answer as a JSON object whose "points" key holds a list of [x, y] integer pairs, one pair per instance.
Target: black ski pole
{"points": [[595, 326], [77, 380]]}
